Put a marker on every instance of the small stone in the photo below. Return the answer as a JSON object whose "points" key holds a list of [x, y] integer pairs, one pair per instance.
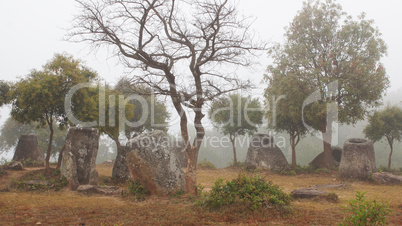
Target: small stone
{"points": [[307, 193], [100, 190], [37, 182], [387, 178], [15, 165]]}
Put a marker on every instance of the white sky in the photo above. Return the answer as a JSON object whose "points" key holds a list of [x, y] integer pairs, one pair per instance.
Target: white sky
{"points": [[32, 31]]}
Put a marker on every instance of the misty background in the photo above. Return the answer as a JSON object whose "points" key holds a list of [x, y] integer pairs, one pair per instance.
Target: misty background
{"points": [[32, 31]]}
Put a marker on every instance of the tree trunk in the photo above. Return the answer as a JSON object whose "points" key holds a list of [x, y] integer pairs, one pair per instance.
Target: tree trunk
{"points": [[60, 158], [293, 144], [120, 169], [49, 147], [328, 161], [390, 142], [233, 140], [191, 150], [190, 173]]}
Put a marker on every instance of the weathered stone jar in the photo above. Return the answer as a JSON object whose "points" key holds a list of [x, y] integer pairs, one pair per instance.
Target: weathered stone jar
{"points": [[263, 153], [79, 157], [358, 159], [28, 149]]}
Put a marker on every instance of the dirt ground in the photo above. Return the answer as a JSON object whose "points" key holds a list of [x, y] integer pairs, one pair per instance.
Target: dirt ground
{"points": [[69, 208]]}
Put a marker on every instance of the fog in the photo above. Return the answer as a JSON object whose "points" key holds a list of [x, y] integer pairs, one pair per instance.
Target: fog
{"points": [[32, 31]]}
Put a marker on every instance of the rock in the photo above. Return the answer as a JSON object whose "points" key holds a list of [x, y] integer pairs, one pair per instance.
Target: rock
{"points": [[387, 178], [37, 182], [151, 161], [79, 157], [28, 150], [318, 160], [15, 165], [108, 162], [307, 193], [358, 160], [330, 186], [100, 190], [264, 154]]}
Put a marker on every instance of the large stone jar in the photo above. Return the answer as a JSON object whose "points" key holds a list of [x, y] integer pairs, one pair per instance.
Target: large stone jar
{"points": [[358, 159]]}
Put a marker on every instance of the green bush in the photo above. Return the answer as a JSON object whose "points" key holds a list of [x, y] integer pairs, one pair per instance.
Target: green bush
{"points": [[363, 212], [32, 163], [241, 165], [251, 192], [205, 164], [56, 172], [137, 190], [3, 172]]}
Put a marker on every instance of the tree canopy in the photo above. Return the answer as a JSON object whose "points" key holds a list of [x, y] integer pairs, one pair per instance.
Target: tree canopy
{"points": [[385, 123], [125, 105], [338, 58], [41, 95], [236, 115], [4, 89], [284, 101]]}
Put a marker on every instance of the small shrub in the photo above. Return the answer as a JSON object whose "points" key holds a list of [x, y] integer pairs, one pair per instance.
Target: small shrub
{"points": [[287, 172], [55, 182], [32, 163], [179, 193], [240, 165], [330, 197], [323, 171], [56, 172], [137, 190], [252, 192], [205, 164], [3, 172], [200, 189], [363, 212]]}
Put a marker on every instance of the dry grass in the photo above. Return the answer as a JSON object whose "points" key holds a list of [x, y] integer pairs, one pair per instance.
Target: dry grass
{"points": [[69, 208]]}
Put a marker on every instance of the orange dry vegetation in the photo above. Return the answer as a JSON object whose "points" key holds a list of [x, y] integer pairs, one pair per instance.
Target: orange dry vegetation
{"points": [[70, 208]]}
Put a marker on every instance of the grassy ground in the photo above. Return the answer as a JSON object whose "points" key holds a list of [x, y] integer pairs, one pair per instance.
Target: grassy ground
{"points": [[66, 207]]}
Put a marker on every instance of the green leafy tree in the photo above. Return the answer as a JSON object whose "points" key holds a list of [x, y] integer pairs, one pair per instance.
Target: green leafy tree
{"points": [[147, 106], [12, 130], [4, 89], [140, 102], [236, 115], [41, 95], [385, 123], [284, 97], [324, 49], [116, 112]]}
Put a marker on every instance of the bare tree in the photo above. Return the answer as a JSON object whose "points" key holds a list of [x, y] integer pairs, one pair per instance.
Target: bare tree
{"points": [[181, 48]]}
